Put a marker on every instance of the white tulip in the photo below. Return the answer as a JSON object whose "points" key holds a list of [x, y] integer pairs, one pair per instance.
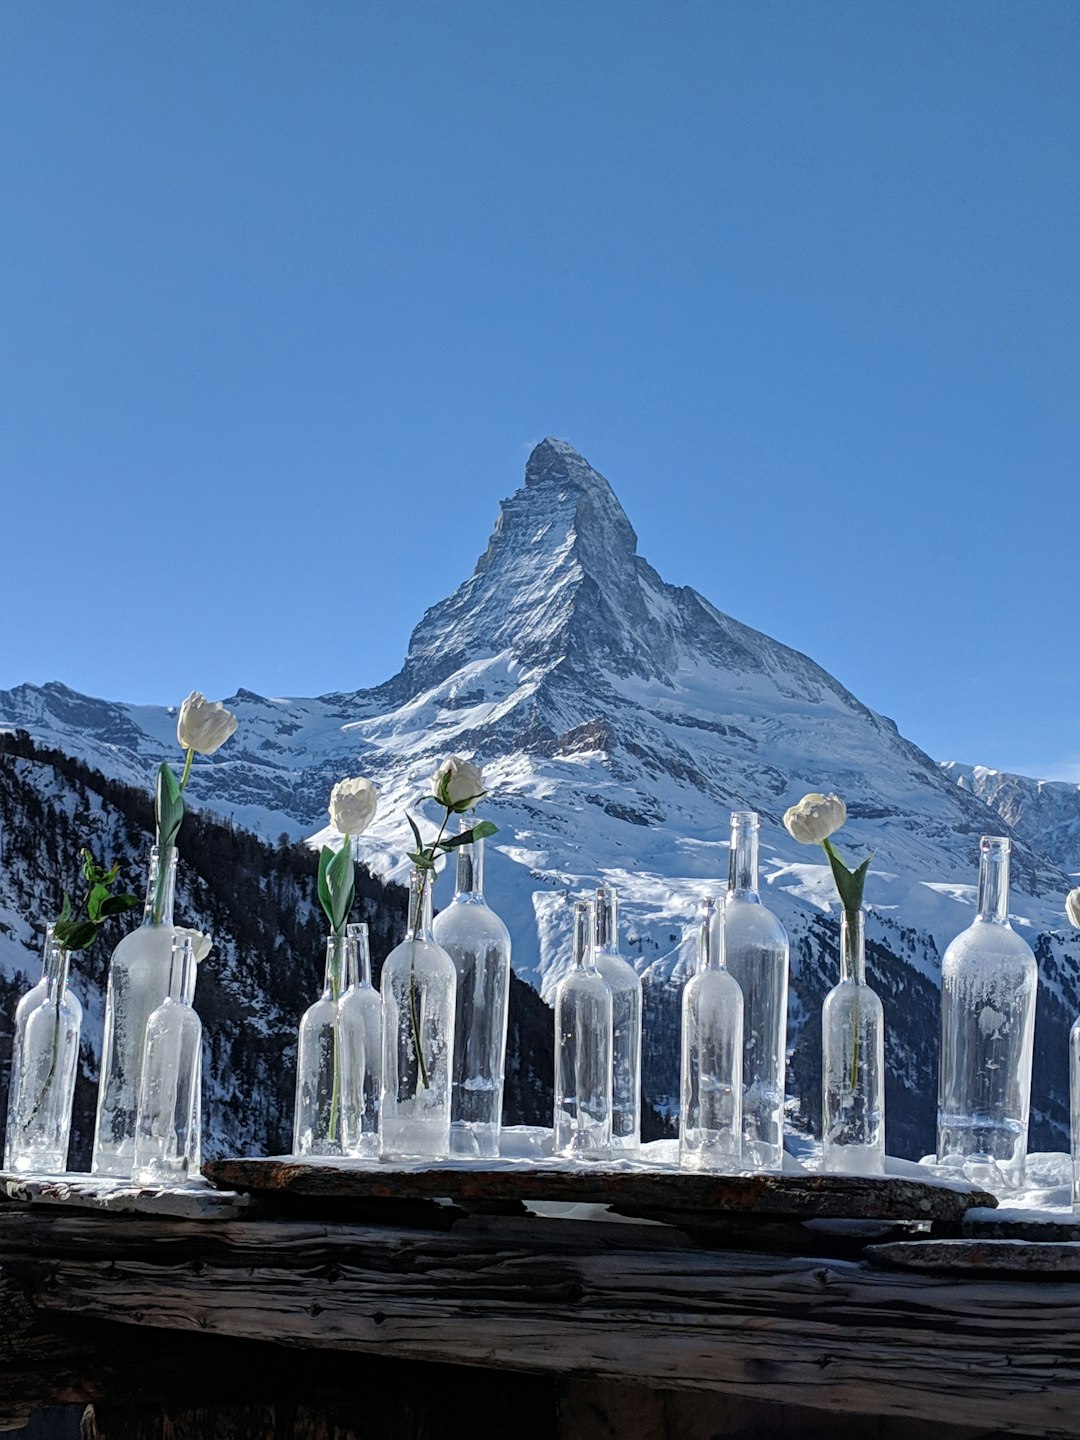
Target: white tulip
{"points": [[201, 944], [1072, 907], [352, 805], [815, 818], [457, 784], [202, 726]]}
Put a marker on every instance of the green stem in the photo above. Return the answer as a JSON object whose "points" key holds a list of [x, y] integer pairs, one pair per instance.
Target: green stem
{"points": [[414, 999], [335, 992], [187, 768]]}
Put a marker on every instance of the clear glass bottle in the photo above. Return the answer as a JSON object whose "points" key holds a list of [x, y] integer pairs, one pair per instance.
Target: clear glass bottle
{"points": [[710, 1119], [1074, 1111], [138, 983], [583, 1047], [167, 1141], [479, 944], [317, 1112], [419, 990], [625, 985], [852, 1064], [989, 981], [44, 1064], [360, 1023], [756, 951]]}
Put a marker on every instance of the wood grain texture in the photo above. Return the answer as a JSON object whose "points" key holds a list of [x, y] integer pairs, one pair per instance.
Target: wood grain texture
{"points": [[538, 1296]]}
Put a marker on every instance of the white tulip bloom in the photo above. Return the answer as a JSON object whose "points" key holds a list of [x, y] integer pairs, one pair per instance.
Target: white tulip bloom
{"points": [[202, 726], [457, 784], [201, 944], [352, 805], [1072, 907], [815, 818]]}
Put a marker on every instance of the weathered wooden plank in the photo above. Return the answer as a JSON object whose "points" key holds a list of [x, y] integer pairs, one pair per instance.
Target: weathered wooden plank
{"points": [[990, 1256], [832, 1335], [86, 1192], [1015, 1224], [802, 1196]]}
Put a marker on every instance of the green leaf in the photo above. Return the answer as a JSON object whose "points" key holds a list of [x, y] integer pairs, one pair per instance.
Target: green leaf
{"points": [[849, 883], [325, 856], [341, 880], [77, 936], [483, 829], [421, 859], [168, 806], [65, 911], [416, 832], [480, 831], [95, 900], [119, 905]]}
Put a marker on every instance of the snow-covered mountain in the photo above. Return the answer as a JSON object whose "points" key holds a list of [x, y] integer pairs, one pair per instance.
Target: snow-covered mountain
{"points": [[621, 719], [1044, 813]]}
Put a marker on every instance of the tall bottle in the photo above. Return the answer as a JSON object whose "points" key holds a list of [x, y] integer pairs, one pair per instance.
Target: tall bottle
{"points": [[167, 1139], [317, 1112], [44, 1064], [852, 1064], [1074, 1111], [479, 944], [756, 949], [710, 1119], [989, 981], [625, 985], [360, 1024], [583, 1047], [419, 990], [138, 983]]}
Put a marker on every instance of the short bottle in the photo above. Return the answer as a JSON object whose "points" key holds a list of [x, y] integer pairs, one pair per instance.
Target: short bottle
{"points": [[138, 981], [167, 1140], [583, 1047], [852, 1064], [317, 1124], [419, 990], [360, 1022], [44, 1065], [479, 944], [625, 985], [756, 950], [710, 1118], [989, 981]]}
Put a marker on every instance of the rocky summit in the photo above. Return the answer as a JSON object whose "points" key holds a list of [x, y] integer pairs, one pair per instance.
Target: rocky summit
{"points": [[620, 719]]}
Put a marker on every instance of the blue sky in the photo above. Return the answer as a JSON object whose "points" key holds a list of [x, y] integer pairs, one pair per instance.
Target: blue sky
{"points": [[287, 292]]}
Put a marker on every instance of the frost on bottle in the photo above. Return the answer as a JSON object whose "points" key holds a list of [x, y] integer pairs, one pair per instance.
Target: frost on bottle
{"points": [[317, 1113], [1074, 1111], [710, 1117], [479, 944], [583, 1044], [44, 1064], [852, 1064], [360, 1023], [167, 1139], [138, 982], [625, 985], [419, 987], [988, 986], [756, 954]]}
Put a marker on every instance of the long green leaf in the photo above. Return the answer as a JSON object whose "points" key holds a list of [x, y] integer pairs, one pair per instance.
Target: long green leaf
{"points": [[325, 856], [168, 806], [95, 901], [340, 875], [77, 936], [119, 905]]}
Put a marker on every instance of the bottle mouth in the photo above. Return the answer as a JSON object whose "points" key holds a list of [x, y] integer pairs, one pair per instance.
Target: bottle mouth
{"points": [[746, 818], [995, 844]]}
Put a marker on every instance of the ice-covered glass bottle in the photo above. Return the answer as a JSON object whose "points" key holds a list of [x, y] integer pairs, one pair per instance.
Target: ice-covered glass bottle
{"points": [[710, 1119], [360, 1022], [756, 952], [138, 982], [625, 985], [989, 981], [317, 1113], [419, 991], [583, 1045], [1074, 1110], [852, 1064], [167, 1141], [479, 944], [44, 1064]]}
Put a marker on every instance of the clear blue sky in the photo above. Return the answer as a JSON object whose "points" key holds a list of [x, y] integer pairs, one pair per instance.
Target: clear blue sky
{"points": [[288, 290]]}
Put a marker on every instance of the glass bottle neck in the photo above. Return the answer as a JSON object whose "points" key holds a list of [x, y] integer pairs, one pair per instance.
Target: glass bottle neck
{"points": [[357, 956], [743, 864], [994, 879], [419, 924], [606, 918], [337, 964], [182, 972], [55, 973], [710, 954], [852, 948], [470, 871], [46, 950], [583, 933], [161, 886]]}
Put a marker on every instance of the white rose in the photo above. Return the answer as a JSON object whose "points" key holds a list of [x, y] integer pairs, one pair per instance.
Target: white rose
{"points": [[1072, 907], [203, 727], [201, 944], [815, 818], [457, 784], [352, 805]]}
